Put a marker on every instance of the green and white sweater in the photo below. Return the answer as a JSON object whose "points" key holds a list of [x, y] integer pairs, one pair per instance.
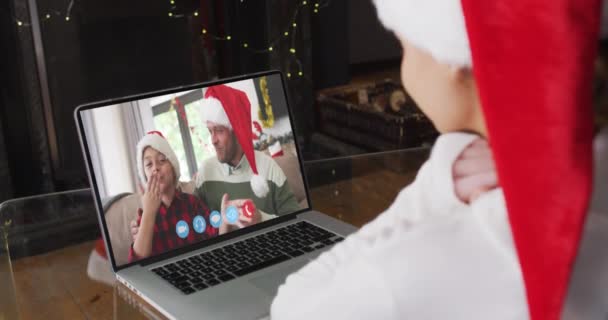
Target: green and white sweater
{"points": [[215, 178]]}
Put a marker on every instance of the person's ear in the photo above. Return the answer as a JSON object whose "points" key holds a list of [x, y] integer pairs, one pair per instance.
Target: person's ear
{"points": [[460, 74]]}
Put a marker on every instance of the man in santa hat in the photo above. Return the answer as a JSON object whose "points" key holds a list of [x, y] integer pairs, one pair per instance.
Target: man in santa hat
{"points": [[518, 74], [239, 175]]}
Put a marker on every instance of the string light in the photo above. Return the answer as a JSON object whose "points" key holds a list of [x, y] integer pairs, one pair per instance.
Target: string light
{"points": [[287, 33], [319, 4], [68, 12]]}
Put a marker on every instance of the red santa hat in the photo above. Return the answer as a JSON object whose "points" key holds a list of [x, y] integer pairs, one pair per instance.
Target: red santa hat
{"points": [[532, 62], [257, 130], [156, 140], [231, 108]]}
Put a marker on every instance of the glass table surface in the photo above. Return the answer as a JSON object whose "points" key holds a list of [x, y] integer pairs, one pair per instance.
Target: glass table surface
{"points": [[46, 240]]}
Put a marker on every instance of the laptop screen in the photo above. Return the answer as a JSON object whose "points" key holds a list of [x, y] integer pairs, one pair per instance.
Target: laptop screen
{"points": [[182, 167]]}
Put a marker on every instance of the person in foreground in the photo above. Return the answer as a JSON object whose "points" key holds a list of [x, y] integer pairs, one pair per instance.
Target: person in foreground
{"points": [[516, 73]]}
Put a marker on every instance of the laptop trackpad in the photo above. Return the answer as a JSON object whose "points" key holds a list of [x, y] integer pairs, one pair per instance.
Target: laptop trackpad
{"points": [[270, 282]]}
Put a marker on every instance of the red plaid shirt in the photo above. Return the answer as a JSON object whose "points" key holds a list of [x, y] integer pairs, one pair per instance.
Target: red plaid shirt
{"points": [[183, 207]]}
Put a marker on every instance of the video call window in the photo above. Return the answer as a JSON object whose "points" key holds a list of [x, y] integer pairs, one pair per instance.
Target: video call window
{"points": [[113, 133]]}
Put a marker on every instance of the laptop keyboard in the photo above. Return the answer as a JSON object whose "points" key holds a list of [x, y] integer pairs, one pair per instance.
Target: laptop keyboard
{"points": [[223, 264]]}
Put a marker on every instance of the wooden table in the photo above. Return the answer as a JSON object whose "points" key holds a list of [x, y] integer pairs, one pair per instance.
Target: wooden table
{"points": [[55, 285]]}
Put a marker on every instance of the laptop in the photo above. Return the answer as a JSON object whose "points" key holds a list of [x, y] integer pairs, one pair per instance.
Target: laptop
{"points": [[216, 273]]}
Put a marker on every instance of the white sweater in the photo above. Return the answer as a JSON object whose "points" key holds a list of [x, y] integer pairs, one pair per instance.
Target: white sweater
{"points": [[428, 256]]}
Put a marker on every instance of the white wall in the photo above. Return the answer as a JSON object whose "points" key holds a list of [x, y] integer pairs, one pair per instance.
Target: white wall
{"points": [[113, 151], [281, 125], [147, 116]]}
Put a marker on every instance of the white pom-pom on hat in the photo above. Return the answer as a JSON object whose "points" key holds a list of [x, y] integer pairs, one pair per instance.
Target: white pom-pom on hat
{"points": [[230, 107], [259, 186], [435, 26], [156, 140]]}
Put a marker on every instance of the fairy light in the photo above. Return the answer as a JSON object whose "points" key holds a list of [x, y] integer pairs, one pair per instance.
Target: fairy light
{"points": [[289, 30], [19, 23]]}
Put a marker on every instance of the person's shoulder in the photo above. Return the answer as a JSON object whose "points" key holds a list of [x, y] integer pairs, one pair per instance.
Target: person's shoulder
{"points": [[435, 176], [452, 143], [191, 198], [210, 162], [209, 169], [444, 152], [179, 194], [188, 196]]}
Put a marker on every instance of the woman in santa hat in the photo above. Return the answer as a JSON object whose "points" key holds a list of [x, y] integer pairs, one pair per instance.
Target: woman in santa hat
{"points": [[168, 218], [516, 73]]}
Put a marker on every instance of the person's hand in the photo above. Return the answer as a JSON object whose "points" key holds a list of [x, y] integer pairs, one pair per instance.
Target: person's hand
{"points": [[151, 199], [134, 229], [247, 216], [474, 172]]}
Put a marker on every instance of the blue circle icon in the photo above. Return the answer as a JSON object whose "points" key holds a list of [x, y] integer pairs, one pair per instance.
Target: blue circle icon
{"points": [[215, 219], [199, 224], [232, 214], [182, 229]]}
